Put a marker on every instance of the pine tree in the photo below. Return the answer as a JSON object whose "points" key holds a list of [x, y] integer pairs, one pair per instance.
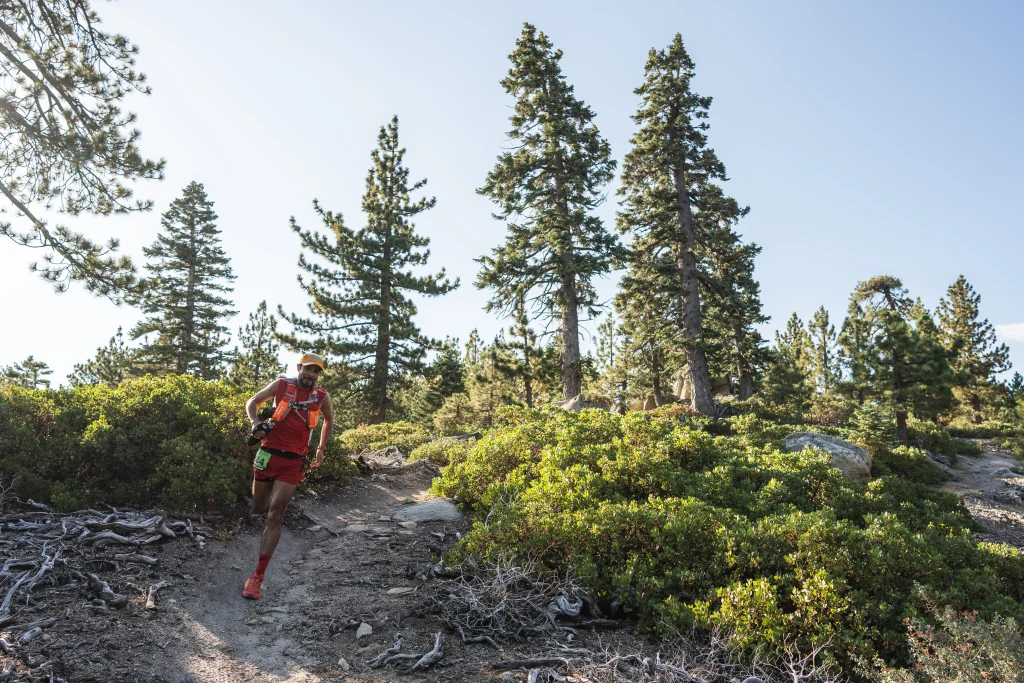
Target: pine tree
{"points": [[68, 146], [185, 306], [647, 310], [934, 392], [978, 354], [824, 354], [360, 305], [29, 373], [258, 361], [111, 365], [909, 369], [731, 296], [546, 190], [854, 343], [668, 177], [522, 359], [1016, 387], [787, 382], [612, 378]]}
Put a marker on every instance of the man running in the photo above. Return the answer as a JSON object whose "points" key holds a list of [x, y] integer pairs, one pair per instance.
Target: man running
{"points": [[281, 459]]}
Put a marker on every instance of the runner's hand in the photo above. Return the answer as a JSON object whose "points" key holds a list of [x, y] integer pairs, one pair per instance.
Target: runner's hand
{"points": [[319, 459]]}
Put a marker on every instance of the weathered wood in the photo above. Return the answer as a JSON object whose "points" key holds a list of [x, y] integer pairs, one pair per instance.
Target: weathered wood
{"points": [[432, 657], [131, 557], [153, 590], [102, 588], [393, 650], [510, 664]]}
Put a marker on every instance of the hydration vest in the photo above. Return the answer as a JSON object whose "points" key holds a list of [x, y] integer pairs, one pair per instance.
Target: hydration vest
{"points": [[288, 403], [294, 420]]}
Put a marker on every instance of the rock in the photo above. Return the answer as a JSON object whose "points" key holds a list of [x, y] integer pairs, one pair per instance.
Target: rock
{"points": [[400, 590], [363, 631], [343, 664], [1005, 473], [407, 525], [383, 518], [753, 679], [578, 403], [353, 528], [851, 460], [439, 510]]}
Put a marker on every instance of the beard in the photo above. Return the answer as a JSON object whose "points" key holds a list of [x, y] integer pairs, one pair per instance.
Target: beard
{"points": [[306, 382]]}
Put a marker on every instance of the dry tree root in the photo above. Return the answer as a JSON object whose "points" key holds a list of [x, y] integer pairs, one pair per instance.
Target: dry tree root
{"points": [[423, 661], [380, 659], [151, 595], [48, 558], [432, 657]]}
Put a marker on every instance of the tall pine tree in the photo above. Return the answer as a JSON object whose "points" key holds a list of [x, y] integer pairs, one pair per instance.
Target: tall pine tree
{"points": [[854, 345], [787, 380], [185, 304], [664, 175], [360, 304], [824, 354], [258, 361], [546, 189], [979, 357]]}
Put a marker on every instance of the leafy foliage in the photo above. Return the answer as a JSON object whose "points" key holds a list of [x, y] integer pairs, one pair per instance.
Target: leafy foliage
{"points": [[29, 373], [403, 435], [687, 528], [258, 361], [175, 441], [67, 144], [442, 451], [111, 365]]}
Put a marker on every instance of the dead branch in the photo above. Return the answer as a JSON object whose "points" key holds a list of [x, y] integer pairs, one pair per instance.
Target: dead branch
{"points": [[393, 650], [511, 664], [153, 590], [432, 657]]}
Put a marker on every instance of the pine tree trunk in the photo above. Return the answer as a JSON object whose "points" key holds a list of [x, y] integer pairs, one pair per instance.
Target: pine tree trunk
{"points": [[378, 412], [745, 376], [572, 376], [686, 263], [181, 367], [901, 427], [976, 408], [659, 397]]}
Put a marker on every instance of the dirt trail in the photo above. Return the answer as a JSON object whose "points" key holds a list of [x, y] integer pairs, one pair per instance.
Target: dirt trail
{"points": [[993, 490], [317, 583]]}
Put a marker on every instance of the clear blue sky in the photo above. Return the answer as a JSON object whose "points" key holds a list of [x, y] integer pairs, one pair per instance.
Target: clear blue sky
{"points": [[868, 138]]}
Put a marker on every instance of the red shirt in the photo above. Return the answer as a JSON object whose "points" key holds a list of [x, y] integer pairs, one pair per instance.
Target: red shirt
{"points": [[292, 434]]}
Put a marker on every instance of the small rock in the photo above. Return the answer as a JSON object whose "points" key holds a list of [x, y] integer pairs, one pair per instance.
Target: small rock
{"points": [[353, 528], [439, 510], [383, 518], [1005, 473], [343, 664], [315, 527], [407, 525], [400, 590], [363, 631], [267, 620], [251, 622], [236, 567]]}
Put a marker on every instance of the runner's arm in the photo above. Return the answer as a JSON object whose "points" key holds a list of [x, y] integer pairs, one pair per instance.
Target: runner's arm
{"points": [[252, 406], [325, 433]]}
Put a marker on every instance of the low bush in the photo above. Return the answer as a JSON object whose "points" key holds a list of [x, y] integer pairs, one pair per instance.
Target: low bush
{"points": [[404, 436], [442, 451], [686, 529], [831, 411], [174, 442], [909, 462], [989, 429], [960, 647]]}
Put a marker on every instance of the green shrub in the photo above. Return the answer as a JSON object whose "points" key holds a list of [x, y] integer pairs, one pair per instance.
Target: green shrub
{"points": [[831, 411], [960, 647], [931, 437], [990, 429], [872, 427], [442, 451], [405, 436], [175, 442], [692, 529], [909, 462], [965, 447]]}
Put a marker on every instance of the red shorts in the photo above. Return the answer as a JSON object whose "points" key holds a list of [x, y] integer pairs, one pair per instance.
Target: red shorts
{"points": [[280, 468]]}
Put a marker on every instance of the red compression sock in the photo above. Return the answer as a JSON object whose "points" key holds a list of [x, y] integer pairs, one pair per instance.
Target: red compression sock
{"points": [[261, 567]]}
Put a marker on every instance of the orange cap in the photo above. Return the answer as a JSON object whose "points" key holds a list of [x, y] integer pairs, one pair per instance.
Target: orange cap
{"points": [[312, 359]]}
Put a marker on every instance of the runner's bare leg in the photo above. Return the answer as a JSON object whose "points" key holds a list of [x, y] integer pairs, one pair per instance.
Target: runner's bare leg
{"points": [[261, 496], [280, 496]]}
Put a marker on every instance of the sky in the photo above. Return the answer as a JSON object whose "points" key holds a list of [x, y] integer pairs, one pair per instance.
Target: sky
{"points": [[867, 138]]}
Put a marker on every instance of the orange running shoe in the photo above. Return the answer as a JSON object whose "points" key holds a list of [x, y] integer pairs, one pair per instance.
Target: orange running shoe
{"points": [[251, 590]]}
